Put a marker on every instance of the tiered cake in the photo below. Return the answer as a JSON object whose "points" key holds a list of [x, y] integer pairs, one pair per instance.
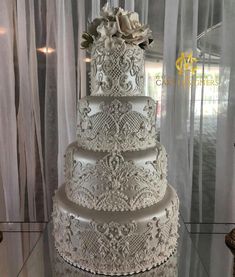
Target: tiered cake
{"points": [[116, 213]]}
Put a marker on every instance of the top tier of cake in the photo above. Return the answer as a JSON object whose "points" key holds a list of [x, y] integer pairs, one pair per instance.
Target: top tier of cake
{"points": [[117, 41], [118, 71]]}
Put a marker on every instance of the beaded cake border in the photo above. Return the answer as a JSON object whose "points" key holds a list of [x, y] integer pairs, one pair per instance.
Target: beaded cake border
{"points": [[118, 274]]}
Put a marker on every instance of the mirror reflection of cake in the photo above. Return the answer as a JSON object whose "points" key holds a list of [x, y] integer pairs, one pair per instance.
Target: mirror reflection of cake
{"points": [[116, 214]]}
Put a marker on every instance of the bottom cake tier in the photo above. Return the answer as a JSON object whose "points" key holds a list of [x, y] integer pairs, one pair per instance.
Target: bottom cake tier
{"points": [[62, 269], [116, 243]]}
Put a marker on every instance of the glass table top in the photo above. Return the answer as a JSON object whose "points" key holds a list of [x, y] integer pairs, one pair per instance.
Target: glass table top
{"points": [[45, 261], [28, 251]]}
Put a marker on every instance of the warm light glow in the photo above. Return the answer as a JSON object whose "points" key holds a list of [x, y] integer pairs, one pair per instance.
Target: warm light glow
{"points": [[87, 60], [3, 30], [46, 50]]}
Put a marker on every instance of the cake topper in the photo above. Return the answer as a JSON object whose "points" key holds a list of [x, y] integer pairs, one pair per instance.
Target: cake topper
{"points": [[116, 25]]}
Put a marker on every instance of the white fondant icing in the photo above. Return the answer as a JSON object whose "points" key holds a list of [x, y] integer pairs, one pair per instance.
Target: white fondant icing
{"points": [[124, 123], [166, 269], [115, 181], [116, 243], [116, 214], [118, 71]]}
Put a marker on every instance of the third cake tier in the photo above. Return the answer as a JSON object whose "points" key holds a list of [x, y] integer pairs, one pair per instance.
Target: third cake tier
{"points": [[115, 181]]}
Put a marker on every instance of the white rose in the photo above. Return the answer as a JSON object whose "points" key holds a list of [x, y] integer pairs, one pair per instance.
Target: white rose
{"points": [[107, 29], [143, 33], [131, 29], [119, 25], [127, 23]]}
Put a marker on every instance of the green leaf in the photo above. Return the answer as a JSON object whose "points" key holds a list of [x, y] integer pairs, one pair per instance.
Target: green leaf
{"points": [[85, 44], [87, 36]]}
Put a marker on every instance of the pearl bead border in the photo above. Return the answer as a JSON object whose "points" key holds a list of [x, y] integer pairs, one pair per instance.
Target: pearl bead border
{"points": [[121, 273]]}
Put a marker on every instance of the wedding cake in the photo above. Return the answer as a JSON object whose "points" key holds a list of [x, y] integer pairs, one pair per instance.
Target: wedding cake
{"points": [[116, 214]]}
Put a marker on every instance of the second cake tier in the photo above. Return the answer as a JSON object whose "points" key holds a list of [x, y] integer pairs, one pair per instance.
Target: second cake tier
{"points": [[115, 181], [121, 123]]}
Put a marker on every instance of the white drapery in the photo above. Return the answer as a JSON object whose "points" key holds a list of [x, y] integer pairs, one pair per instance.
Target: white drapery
{"points": [[44, 72], [9, 179], [200, 143], [225, 144], [66, 81]]}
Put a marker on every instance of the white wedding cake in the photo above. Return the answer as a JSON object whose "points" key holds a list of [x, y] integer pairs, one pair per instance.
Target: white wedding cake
{"points": [[116, 214]]}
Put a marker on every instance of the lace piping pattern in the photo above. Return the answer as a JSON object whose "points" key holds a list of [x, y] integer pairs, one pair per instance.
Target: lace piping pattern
{"points": [[116, 126], [118, 71], [115, 248], [116, 184]]}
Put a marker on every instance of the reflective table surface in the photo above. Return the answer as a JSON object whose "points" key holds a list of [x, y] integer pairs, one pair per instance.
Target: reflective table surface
{"points": [[27, 250]]}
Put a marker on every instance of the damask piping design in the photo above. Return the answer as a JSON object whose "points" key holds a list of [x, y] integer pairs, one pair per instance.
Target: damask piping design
{"points": [[119, 72], [169, 268], [116, 126], [115, 184], [114, 247]]}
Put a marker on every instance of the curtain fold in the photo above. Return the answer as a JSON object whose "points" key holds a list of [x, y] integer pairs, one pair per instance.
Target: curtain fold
{"points": [[185, 102], [66, 82], [26, 127], [33, 76], [28, 117], [95, 9], [81, 64], [9, 177], [168, 92], [129, 5], [225, 147], [50, 118]]}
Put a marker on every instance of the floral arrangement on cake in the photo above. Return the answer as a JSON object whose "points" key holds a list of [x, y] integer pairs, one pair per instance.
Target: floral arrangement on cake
{"points": [[117, 26]]}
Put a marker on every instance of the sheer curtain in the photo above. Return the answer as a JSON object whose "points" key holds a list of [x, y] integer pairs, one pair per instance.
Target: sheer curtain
{"points": [[44, 72], [9, 176], [225, 144]]}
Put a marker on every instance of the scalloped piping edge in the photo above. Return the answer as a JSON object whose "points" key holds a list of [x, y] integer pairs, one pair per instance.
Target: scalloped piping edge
{"points": [[120, 210], [85, 147]]}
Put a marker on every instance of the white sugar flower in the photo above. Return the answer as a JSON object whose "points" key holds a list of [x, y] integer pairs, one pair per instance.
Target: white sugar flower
{"points": [[117, 25]]}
